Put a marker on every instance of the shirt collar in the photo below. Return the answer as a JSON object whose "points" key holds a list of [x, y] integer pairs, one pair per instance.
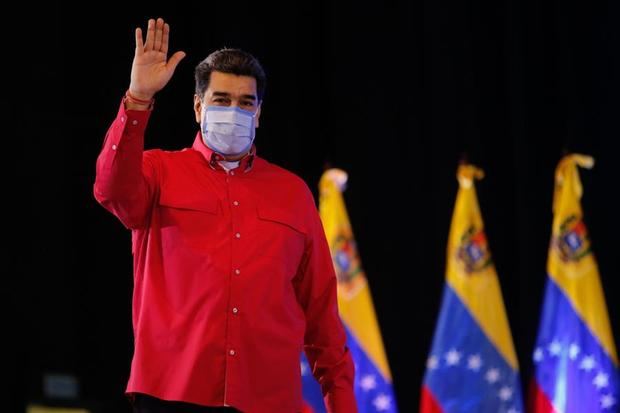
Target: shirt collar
{"points": [[213, 157]]}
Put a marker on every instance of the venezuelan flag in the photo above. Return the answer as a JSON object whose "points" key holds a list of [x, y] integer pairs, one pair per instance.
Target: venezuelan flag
{"points": [[472, 366], [373, 381], [575, 360]]}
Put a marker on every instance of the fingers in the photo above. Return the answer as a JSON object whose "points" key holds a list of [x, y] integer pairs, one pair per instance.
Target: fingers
{"points": [[139, 44], [157, 37], [165, 39], [159, 33], [150, 36]]}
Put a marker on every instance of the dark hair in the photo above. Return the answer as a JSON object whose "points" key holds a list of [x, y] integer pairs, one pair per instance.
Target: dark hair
{"points": [[234, 61]]}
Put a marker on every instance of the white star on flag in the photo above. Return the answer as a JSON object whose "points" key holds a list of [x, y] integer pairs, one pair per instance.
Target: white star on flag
{"points": [[505, 393], [492, 375], [382, 402], [538, 355], [305, 369], [368, 382], [607, 401], [555, 348], [587, 363], [453, 357], [432, 362], [573, 351], [512, 410], [474, 362], [601, 380]]}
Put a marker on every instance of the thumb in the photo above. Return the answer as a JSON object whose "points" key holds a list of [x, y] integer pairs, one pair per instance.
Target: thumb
{"points": [[175, 59]]}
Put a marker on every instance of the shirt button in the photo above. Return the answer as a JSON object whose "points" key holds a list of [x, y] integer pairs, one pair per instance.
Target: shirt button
{"points": [[122, 119], [237, 271], [236, 203], [134, 122], [114, 147], [232, 172], [237, 235], [235, 310], [231, 352]]}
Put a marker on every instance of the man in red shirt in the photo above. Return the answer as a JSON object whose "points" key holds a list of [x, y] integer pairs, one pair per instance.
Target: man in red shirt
{"points": [[233, 277]]}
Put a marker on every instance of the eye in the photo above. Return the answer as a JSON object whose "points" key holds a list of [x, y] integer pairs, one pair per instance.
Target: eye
{"points": [[222, 101]]}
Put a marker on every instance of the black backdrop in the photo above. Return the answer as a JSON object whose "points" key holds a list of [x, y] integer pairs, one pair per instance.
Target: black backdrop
{"points": [[393, 92]]}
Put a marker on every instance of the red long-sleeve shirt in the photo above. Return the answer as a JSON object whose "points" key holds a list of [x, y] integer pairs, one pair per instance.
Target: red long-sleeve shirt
{"points": [[233, 277]]}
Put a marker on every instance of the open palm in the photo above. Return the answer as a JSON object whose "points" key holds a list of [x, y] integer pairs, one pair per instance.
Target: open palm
{"points": [[151, 69]]}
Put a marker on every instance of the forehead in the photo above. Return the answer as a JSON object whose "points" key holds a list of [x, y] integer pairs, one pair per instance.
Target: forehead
{"points": [[232, 84]]}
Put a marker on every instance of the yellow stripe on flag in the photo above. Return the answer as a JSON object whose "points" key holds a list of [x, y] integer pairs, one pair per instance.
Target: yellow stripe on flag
{"points": [[470, 270], [354, 299], [33, 408]]}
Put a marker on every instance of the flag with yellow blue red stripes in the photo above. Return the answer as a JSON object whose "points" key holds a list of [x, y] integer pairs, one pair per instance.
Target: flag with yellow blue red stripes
{"points": [[472, 365], [373, 381], [575, 359]]}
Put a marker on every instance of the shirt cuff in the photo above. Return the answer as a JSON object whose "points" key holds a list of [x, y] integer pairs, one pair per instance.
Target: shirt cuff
{"points": [[132, 122]]}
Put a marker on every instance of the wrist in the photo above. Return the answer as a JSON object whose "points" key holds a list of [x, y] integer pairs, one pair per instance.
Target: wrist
{"points": [[139, 96], [133, 101]]}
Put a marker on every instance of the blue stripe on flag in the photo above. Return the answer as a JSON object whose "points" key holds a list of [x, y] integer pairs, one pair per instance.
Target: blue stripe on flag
{"points": [[372, 391], [572, 368], [311, 388], [465, 372]]}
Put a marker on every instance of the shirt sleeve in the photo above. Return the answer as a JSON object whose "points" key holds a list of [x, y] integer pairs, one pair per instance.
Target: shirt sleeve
{"points": [[325, 339], [126, 176]]}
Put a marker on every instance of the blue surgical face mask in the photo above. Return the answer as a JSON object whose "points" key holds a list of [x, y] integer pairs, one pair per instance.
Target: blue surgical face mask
{"points": [[228, 130]]}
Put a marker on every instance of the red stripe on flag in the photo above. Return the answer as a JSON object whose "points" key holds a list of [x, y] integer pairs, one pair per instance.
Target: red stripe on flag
{"points": [[537, 400], [428, 404], [306, 408]]}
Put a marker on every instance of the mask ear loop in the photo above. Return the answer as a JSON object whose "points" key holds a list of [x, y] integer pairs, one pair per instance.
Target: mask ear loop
{"points": [[203, 121]]}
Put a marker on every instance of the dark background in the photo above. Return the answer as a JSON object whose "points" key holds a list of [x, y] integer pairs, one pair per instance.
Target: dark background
{"points": [[394, 92]]}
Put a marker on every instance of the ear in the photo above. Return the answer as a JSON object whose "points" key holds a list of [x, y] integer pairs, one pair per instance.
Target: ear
{"points": [[256, 123], [197, 108]]}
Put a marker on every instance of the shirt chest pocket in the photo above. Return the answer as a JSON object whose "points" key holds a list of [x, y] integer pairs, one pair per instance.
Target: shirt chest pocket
{"points": [[280, 235], [190, 219]]}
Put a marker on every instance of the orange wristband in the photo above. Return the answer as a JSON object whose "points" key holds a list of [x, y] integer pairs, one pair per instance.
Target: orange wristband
{"points": [[139, 101]]}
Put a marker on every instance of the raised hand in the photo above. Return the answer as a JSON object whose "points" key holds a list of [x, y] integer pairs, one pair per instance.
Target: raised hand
{"points": [[151, 69]]}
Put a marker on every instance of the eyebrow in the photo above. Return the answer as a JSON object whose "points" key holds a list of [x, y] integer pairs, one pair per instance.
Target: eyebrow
{"points": [[227, 95]]}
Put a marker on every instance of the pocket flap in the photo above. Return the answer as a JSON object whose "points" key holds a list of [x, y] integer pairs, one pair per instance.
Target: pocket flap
{"points": [[281, 216], [194, 202]]}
